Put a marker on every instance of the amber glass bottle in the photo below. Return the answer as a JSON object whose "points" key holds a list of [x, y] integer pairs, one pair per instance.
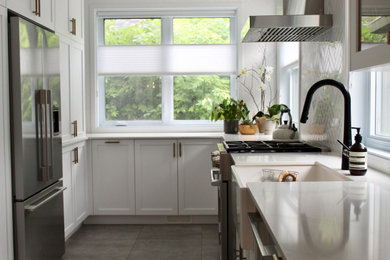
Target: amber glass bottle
{"points": [[358, 156]]}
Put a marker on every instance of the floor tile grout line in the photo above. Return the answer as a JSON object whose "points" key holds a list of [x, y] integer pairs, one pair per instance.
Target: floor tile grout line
{"points": [[132, 247]]}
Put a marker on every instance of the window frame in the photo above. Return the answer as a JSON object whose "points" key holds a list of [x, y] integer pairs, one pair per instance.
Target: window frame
{"points": [[167, 121], [373, 140]]}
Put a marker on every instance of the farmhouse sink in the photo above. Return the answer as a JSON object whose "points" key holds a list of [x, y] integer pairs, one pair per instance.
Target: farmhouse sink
{"points": [[242, 202], [314, 172]]}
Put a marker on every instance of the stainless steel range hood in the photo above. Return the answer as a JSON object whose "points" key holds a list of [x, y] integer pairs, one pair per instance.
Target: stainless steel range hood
{"points": [[302, 20]]}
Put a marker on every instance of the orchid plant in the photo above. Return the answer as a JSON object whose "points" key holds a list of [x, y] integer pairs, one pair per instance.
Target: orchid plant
{"points": [[258, 77]]}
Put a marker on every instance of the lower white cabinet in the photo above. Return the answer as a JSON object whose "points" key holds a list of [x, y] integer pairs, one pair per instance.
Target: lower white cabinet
{"points": [[156, 177], [153, 177], [113, 177], [196, 195], [76, 180]]}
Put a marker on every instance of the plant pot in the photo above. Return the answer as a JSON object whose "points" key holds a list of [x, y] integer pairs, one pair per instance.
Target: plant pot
{"points": [[260, 123], [269, 127], [247, 129], [230, 127]]}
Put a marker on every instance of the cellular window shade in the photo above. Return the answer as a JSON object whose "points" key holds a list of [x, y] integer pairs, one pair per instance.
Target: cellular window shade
{"points": [[167, 59]]}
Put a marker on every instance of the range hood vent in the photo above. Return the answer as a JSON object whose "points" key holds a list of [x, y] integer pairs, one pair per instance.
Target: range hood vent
{"points": [[303, 20]]}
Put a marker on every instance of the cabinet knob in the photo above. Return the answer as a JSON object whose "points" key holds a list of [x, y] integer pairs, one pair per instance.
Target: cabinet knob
{"points": [[73, 21]]}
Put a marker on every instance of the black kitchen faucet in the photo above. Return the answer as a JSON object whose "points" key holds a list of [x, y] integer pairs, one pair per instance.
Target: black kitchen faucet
{"points": [[347, 140]]}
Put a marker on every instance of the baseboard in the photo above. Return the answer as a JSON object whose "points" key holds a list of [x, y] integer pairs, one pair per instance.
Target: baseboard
{"points": [[152, 220]]}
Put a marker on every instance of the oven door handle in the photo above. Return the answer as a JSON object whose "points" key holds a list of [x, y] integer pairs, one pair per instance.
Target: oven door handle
{"points": [[215, 181], [267, 252]]}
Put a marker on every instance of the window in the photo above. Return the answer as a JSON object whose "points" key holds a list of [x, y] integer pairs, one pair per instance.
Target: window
{"points": [[289, 77], [164, 69], [371, 108]]}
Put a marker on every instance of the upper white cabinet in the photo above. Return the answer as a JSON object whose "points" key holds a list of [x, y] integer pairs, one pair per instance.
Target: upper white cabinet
{"points": [[156, 177], [2, 2], [41, 11], [113, 177], [69, 18], [75, 178], [72, 89], [196, 195]]}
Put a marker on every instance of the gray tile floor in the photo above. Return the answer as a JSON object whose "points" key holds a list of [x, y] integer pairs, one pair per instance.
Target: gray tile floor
{"points": [[143, 242]]}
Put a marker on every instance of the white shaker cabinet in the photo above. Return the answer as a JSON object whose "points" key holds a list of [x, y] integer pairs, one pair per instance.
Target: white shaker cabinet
{"points": [[2, 3], [113, 177], [40, 11], [75, 178], [196, 195], [69, 18], [156, 177], [72, 89]]}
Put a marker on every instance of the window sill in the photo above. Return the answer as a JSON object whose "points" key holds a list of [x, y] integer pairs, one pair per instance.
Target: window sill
{"points": [[379, 160]]}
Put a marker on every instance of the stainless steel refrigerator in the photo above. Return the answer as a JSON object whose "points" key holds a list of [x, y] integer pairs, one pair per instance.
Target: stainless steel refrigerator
{"points": [[36, 141]]}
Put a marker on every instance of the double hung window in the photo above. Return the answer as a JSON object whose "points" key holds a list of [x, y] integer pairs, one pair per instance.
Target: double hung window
{"points": [[379, 124], [169, 69]]}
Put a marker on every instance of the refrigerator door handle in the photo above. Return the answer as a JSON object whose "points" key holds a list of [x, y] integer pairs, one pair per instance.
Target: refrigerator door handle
{"points": [[40, 202], [40, 101], [50, 145]]}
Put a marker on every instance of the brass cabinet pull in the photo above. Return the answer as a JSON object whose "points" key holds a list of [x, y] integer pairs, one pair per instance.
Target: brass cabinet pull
{"points": [[76, 155], [174, 150], [73, 21], [112, 142], [239, 254], [36, 8], [39, 9], [180, 149], [74, 123]]}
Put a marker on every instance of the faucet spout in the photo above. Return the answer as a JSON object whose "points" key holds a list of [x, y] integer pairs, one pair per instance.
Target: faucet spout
{"points": [[347, 140]]}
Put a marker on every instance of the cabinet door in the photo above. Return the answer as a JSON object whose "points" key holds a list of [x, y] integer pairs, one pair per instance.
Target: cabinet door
{"points": [[2, 2], [80, 185], [68, 193], [77, 87], [47, 13], [196, 195], [156, 177], [23, 7], [62, 17], [65, 98], [113, 177], [76, 10], [29, 8]]}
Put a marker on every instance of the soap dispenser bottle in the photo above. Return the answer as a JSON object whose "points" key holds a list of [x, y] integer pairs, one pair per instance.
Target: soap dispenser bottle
{"points": [[358, 156]]}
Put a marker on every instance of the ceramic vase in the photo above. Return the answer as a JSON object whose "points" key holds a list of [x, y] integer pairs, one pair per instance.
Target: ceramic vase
{"points": [[230, 127], [269, 127]]}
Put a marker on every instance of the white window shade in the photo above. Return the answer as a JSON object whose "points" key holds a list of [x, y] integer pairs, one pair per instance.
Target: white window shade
{"points": [[167, 59]]}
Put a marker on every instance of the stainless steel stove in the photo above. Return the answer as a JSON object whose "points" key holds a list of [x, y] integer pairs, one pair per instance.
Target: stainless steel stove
{"points": [[268, 147]]}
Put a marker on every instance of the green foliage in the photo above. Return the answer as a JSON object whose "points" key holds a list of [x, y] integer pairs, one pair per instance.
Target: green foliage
{"points": [[273, 111], [366, 35], [133, 98], [132, 31], [201, 30], [194, 96], [247, 122], [229, 110]]}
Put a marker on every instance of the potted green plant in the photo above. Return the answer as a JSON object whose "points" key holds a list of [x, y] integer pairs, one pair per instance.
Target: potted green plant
{"points": [[231, 111], [247, 127], [271, 120]]}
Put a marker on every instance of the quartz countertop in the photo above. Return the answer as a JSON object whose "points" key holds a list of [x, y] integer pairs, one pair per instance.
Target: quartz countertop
{"points": [[154, 135], [326, 220]]}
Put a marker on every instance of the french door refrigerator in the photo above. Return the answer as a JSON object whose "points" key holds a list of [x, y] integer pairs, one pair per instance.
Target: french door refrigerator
{"points": [[36, 141]]}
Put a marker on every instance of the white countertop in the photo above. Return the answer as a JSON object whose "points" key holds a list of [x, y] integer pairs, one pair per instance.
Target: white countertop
{"points": [[326, 220], [154, 135]]}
